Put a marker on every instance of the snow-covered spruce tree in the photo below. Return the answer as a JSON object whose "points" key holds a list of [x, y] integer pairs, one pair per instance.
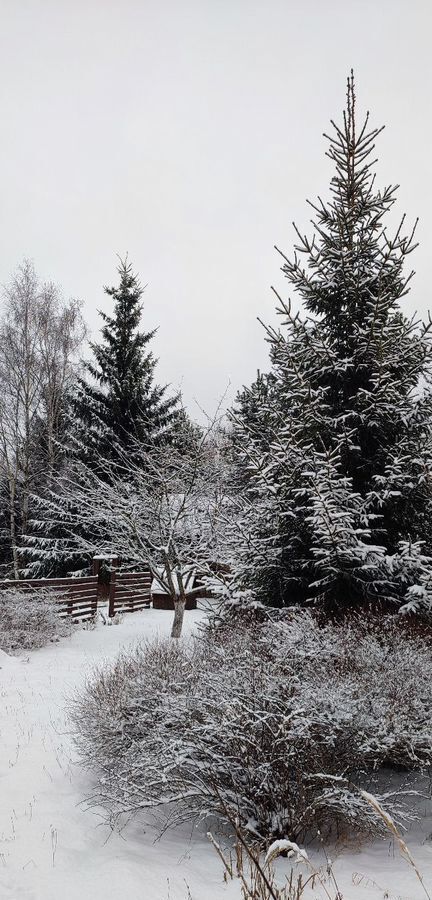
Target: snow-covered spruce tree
{"points": [[338, 450], [119, 402]]}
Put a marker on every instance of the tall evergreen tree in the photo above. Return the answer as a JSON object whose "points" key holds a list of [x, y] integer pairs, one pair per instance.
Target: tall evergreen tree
{"points": [[338, 506], [119, 403]]}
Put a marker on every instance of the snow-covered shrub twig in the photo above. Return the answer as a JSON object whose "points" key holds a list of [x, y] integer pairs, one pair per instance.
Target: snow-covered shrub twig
{"points": [[278, 723], [254, 869], [29, 620], [257, 877]]}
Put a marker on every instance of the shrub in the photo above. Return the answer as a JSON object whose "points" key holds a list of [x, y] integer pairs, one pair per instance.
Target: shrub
{"points": [[29, 620], [277, 723]]}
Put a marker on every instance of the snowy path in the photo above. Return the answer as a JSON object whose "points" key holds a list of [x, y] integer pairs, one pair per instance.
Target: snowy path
{"points": [[51, 848]]}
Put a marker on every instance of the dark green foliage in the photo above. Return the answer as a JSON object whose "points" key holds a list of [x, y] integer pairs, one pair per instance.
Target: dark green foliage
{"points": [[120, 403], [337, 440]]}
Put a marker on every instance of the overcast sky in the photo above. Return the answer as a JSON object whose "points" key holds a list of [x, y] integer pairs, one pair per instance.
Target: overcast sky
{"points": [[190, 134]]}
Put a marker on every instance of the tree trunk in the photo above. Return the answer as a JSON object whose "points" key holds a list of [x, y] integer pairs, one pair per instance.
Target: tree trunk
{"points": [[13, 535], [177, 625], [179, 599]]}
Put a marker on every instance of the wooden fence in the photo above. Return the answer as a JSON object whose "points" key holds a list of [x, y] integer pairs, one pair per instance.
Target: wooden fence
{"points": [[129, 591], [78, 597], [75, 597]]}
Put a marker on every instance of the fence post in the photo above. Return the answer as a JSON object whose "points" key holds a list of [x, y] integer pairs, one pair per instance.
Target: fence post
{"points": [[104, 566], [112, 590]]}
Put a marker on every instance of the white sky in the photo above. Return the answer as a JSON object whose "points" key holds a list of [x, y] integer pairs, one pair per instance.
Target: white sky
{"points": [[188, 133]]}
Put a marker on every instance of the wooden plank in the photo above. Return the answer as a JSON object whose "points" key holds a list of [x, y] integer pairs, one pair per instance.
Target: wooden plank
{"points": [[68, 602], [133, 589], [65, 597], [124, 576], [90, 579], [71, 601], [49, 582], [79, 616], [66, 591], [130, 588], [134, 585], [80, 586], [131, 584], [78, 613], [141, 579], [85, 604]]}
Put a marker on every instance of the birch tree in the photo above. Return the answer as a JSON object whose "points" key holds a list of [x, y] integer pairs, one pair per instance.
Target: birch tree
{"points": [[40, 335]]}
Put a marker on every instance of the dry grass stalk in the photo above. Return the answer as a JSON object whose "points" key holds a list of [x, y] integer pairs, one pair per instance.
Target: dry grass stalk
{"points": [[390, 825]]}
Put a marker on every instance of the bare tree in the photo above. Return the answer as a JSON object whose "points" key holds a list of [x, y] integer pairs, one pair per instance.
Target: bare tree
{"points": [[159, 506], [40, 334]]}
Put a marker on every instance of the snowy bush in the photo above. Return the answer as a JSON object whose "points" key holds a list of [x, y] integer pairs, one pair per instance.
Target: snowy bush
{"points": [[29, 620], [278, 723]]}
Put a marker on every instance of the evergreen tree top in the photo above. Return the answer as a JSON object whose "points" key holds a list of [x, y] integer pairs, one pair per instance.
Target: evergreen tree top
{"points": [[350, 241], [350, 274], [124, 343], [121, 402]]}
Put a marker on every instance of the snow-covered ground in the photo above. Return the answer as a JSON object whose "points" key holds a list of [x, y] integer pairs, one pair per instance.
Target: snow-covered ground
{"points": [[51, 846]]}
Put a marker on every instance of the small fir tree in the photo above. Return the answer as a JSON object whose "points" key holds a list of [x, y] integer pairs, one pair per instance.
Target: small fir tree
{"points": [[338, 449], [121, 404]]}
